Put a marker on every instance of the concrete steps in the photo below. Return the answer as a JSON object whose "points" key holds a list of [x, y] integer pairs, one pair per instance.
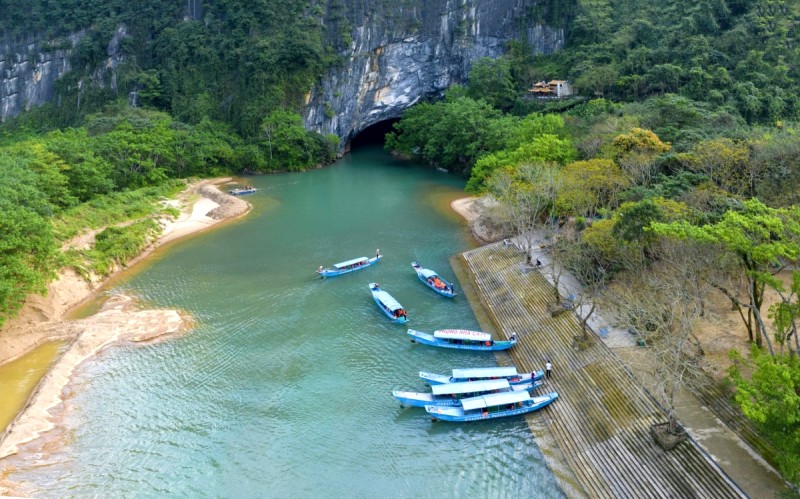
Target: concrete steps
{"points": [[601, 421]]}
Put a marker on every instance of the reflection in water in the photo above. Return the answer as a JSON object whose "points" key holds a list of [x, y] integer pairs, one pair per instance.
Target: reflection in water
{"points": [[284, 388]]}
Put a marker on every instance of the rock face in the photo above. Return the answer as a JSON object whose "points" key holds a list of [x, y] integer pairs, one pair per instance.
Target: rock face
{"points": [[28, 71], [404, 51]]}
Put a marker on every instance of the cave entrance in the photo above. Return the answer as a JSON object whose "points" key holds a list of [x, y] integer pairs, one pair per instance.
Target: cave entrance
{"points": [[373, 134]]}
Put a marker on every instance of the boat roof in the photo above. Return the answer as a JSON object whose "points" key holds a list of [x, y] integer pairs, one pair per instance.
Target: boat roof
{"points": [[470, 387], [494, 399], [485, 372], [426, 273], [461, 334], [387, 300], [350, 262]]}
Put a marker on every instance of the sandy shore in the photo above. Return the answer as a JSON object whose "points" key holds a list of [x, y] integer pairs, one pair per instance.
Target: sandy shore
{"points": [[42, 319], [474, 210]]}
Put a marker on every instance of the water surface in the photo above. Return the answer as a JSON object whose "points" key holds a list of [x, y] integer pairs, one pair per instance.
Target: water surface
{"points": [[284, 387]]}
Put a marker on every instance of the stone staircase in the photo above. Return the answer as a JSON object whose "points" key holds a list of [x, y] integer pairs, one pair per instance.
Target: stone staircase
{"points": [[601, 421]]}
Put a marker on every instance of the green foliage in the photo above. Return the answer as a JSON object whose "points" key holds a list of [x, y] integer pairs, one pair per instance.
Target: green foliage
{"points": [[771, 398], [452, 134], [491, 80], [737, 56], [27, 245], [118, 244]]}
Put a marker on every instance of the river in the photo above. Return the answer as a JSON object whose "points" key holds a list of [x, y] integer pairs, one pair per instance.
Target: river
{"points": [[283, 388]]}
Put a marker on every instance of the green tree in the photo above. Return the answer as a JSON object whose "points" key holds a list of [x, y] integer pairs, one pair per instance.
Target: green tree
{"points": [[758, 237], [771, 398]]}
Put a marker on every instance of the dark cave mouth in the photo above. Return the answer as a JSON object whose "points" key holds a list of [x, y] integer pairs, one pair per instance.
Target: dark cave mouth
{"points": [[373, 134]]}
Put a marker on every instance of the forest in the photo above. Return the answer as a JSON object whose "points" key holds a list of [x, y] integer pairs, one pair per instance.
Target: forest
{"points": [[679, 150]]}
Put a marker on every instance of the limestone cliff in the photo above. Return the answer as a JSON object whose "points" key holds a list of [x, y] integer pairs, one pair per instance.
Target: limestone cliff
{"points": [[29, 70], [406, 50]]}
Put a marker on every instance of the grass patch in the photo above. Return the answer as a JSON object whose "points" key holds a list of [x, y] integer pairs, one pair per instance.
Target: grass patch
{"points": [[116, 208]]}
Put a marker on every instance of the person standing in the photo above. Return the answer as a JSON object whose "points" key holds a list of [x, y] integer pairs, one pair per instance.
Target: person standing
{"points": [[378, 253], [548, 369]]}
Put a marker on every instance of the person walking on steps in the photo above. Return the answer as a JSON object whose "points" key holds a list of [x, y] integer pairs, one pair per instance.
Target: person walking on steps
{"points": [[548, 369]]}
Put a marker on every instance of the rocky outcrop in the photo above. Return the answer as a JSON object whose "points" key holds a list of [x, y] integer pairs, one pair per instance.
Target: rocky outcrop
{"points": [[28, 71], [402, 52]]}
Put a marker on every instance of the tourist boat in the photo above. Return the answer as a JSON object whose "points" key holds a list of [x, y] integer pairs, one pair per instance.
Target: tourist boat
{"points": [[387, 304], [462, 339], [490, 406], [434, 281], [349, 266], [478, 373], [241, 191], [451, 394]]}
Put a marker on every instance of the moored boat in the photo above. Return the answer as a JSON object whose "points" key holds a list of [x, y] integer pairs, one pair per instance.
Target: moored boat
{"points": [[451, 394], [477, 373], [434, 280], [349, 266], [462, 339], [490, 406], [241, 191], [388, 305]]}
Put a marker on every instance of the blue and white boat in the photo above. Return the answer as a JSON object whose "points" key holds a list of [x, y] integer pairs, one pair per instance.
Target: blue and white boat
{"points": [[477, 373], [434, 281], [388, 305], [241, 191], [462, 339], [451, 394], [349, 266], [490, 406]]}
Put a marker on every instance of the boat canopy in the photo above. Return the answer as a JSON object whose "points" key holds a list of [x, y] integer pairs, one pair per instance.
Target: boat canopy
{"points": [[494, 399], [485, 372], [350, 262], [387, 300], [461, 334], [427, 273], [470, 387]]}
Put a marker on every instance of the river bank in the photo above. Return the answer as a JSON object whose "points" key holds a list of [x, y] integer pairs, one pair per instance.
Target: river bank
{"points": [[44, 318]]}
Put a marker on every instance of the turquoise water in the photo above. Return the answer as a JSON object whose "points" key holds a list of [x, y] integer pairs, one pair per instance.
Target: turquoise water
{"points": [[284, 387]]}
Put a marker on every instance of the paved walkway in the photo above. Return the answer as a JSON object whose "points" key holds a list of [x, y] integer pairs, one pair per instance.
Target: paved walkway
{"points": [[602, 420]]}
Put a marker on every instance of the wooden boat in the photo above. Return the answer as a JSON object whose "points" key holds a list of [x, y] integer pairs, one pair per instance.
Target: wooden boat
{"points": [[348, 266], [462, 339], [451, 394], [241, 191], [490, 406], [434, 281], [478, 373], [388, 305]]}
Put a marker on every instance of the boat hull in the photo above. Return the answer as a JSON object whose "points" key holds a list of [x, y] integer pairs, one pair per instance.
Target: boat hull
{"points": [[449, 289], [387, 311], [331, 272], [429, 339], [242, 192], [440, 379], [457, 414], [418, 399]]}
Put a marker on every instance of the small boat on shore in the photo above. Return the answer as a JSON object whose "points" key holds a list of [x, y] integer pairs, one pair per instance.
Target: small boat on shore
{"points": [[478, 373], [462, 339], [241, 191], [491, 406], [451, 394], [388, 305], [434, 281], [349, 266]]}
